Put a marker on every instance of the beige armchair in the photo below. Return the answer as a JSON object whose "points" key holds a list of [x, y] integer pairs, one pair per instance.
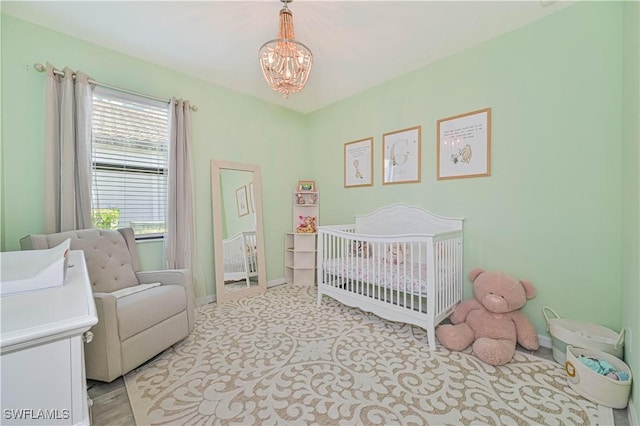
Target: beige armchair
{"points": [[137, 319]]}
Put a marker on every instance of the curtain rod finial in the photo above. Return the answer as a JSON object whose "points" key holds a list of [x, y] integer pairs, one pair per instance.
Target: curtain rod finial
{"points": [[39, 67]]}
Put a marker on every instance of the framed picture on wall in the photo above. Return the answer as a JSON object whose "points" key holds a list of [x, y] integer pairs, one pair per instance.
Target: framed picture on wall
{"points": [[464, 145], [252, 200], [358, 163], [401, 156], [241, 201], [307, 185]]}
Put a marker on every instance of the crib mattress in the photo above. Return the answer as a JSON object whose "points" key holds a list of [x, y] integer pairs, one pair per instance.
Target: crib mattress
{"points": [[410, 277]]}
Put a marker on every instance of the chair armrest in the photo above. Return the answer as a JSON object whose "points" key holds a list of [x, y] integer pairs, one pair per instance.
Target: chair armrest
{"points": [[102, 354], [169, 276], [177, 277]]}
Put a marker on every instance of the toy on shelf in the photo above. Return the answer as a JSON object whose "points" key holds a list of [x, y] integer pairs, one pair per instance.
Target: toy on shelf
{"points": [[306, 207], [307, 225], [309, 199], [300, 243]]}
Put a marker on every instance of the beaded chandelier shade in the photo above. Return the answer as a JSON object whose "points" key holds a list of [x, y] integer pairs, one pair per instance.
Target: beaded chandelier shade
{"points": [[285, 62]]}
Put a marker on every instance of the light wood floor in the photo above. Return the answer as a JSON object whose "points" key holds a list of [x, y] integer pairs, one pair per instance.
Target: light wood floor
{"points": [[111, 403]]}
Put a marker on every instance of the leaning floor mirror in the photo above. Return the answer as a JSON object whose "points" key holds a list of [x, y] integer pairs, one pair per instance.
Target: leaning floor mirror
{"points": [[238, 236]]}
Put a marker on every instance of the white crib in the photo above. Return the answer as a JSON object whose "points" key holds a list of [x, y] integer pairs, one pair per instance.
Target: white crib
{"points": [[400, 262], [240, 257]]}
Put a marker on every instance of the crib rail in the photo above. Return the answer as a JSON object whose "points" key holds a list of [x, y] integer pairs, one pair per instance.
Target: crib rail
{"points": [[251, 249], [239, 254], [420, 273], [448, 274]]}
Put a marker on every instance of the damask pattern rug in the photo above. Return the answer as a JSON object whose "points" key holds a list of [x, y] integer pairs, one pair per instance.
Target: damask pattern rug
{"points": [[279, 359]]}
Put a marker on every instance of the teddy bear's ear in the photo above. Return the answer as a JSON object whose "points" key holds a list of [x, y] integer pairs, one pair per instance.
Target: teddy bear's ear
{"points": [[529, 289], [474, 273]]}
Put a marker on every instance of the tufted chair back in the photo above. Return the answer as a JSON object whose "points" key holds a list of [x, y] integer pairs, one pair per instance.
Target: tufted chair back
{"points": [[111, 255]]}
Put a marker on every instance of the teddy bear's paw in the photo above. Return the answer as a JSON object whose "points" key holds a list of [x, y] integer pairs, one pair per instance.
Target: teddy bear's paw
{"points": [[494, 351], [531, 343], [455, 337]]}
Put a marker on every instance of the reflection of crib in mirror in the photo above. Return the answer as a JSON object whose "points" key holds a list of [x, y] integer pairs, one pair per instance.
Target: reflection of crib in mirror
{"points": [[240, 257]]}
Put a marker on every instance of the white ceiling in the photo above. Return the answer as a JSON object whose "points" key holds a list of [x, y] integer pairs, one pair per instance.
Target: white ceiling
{"points": [[356, 44]]}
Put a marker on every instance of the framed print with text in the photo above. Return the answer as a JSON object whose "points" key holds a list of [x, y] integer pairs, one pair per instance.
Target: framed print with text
{"points": [[464, 145]]}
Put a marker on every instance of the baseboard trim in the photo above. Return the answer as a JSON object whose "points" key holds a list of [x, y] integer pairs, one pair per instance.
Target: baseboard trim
{"points": [[545, 341], [276, 282], [631, 413], [205, 300]]}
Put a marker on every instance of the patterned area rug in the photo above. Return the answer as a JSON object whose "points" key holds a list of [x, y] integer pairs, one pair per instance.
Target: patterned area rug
{"points": [[278, 358]]}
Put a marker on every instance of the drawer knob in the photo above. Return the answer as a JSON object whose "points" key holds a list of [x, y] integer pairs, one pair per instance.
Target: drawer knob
{"points": [[87, 337]]}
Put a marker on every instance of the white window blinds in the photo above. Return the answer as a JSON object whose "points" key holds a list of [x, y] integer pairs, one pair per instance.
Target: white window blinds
{"points": [[130, 145]]}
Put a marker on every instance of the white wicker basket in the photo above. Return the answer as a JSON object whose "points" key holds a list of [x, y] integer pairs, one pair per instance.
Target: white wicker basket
{"points": [[596, 387], [581, 334]]}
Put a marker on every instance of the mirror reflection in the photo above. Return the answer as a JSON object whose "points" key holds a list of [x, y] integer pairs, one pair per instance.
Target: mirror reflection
{"points": [[239, 248], [238, 237]]}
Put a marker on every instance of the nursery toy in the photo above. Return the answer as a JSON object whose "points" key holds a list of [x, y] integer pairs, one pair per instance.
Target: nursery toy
{"points": [[395, 254], [307, 225], [492, 322], [360, 249]]}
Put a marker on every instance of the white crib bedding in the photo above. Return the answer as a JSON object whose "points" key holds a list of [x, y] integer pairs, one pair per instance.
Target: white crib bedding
{"points": [[236, 263], [408, 277]]}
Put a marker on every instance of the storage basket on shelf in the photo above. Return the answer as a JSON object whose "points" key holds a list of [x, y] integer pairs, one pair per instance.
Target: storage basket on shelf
{"points": [[594, 386], [581, 334]]}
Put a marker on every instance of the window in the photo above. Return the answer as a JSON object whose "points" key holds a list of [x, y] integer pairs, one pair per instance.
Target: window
{"points": [[129, 155]]}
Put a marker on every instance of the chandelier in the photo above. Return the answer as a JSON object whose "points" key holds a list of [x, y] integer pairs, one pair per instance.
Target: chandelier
{"points": [[286, 63]]}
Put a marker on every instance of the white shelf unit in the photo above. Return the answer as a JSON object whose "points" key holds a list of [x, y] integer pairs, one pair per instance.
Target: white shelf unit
{"points": [[305, 204], [300, 258], [300, 244]]}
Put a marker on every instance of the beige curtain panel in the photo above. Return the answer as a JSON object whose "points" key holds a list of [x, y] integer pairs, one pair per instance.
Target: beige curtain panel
{"points": [[67, 168], [179, 243]]}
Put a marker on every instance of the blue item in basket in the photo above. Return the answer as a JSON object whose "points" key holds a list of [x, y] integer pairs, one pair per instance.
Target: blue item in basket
{"points": [[619, 375], [601, 366]]}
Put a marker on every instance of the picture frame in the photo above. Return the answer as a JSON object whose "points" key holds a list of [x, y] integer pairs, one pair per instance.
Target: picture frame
{"points": [[464, 145], [241, 201], [306, 186], [358, 163], [401, 151], [252, 200]]}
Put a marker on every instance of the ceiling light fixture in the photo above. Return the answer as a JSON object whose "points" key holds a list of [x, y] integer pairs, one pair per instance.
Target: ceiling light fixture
{"points": [[286, 63]]}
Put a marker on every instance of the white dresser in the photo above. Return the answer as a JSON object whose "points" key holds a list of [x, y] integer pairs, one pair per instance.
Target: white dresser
{"points": [[42, 355]]}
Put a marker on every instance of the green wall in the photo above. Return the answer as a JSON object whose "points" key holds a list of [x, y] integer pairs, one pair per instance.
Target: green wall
{"points": [[550, 211], [631, 194], [227, 126]]}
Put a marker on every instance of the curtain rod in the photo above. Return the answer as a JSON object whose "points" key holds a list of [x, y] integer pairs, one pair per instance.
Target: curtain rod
{"points": [[41, 68]]}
